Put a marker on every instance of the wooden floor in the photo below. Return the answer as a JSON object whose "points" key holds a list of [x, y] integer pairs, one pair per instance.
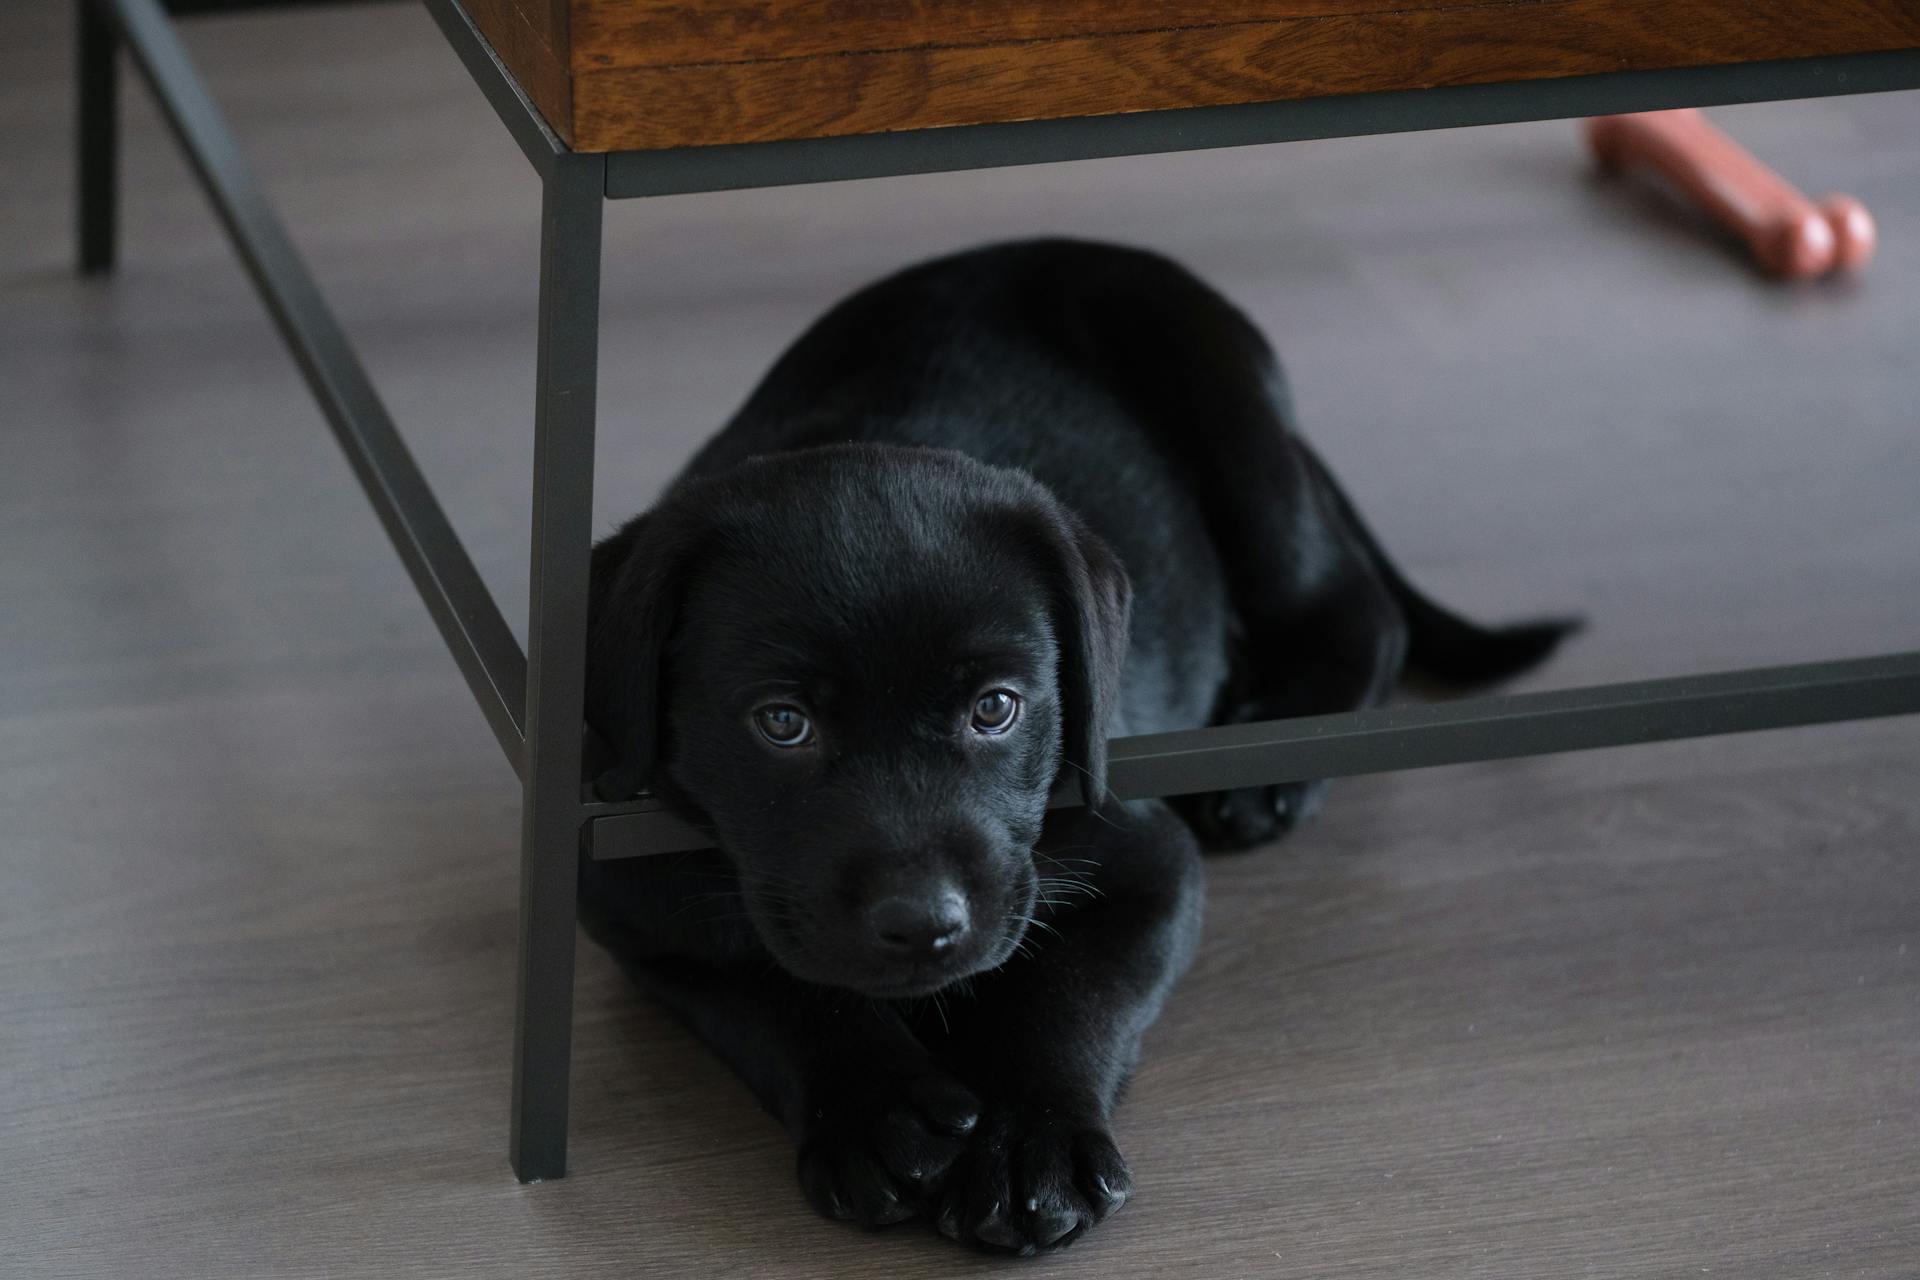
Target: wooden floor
{"points": [[1648, 1012]]}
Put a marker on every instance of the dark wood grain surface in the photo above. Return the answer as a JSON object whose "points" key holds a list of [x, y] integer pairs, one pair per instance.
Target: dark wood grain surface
{"points": [[1652, 1012], [722, 99], [640, 74], [639, 33]]}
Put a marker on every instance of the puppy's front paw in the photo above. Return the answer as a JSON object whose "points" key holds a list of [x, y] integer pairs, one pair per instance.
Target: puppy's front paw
{"points": [[876, 1150], [1032, 1179]]}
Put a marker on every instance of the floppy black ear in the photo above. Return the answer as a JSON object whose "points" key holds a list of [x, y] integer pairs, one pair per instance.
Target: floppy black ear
{"points": [[1092, 598], [633, 595]]}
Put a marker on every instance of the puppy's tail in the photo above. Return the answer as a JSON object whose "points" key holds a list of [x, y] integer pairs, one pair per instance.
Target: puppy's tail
{"points": [[1444, 647], [1461, 654]]}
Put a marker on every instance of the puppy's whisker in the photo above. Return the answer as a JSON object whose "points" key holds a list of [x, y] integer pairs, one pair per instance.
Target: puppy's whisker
{"points": [[1069, 889], [1093, 813], [1034, 922]]}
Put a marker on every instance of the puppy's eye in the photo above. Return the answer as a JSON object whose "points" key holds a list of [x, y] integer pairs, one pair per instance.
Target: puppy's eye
{"points": [[783, 724], [995, 711]]}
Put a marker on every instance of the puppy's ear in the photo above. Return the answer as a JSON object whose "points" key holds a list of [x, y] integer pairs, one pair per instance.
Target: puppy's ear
{"points": [[633, 598], [1092, 599]]}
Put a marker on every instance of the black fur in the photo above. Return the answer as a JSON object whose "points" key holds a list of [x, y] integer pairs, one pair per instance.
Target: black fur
{"points": [[1062, 470]]}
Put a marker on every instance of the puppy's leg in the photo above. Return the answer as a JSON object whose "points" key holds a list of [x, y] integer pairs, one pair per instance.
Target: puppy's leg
{"points": [[1341, 648], [1049, 1039], [1322, 631], [1319, 627], [876, 1117]]}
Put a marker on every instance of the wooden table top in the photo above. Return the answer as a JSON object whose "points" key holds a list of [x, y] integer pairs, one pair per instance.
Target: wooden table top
{"points": [[614, 75]]}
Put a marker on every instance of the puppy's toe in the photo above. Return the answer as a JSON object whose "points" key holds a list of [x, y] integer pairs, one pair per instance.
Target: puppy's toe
{"points": [[945, 1104], [999, 1229], [1233, 820], [1101, 1173], [840, 1184], [1242, 819], [915, 1149], [1295, 804]]}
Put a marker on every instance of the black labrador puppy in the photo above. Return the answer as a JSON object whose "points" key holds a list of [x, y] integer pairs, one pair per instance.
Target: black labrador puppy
{"points": [[982, 516]]}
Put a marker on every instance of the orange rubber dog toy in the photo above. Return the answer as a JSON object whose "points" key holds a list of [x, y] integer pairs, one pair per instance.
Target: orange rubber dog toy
{"points": [[1789, 235]]}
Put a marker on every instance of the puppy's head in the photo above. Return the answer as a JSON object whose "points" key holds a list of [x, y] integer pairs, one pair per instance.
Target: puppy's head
{"points": [[866, 666]]}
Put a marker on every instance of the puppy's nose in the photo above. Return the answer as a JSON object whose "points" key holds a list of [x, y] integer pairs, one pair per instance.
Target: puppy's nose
{"points": [[919, 924]]}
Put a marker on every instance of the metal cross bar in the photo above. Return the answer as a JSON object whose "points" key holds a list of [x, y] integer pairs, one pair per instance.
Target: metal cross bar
{"points": [[483, 646], [1419, 736]]}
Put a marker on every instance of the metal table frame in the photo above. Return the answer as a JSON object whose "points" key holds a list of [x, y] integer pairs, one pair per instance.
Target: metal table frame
{"points": [[534, 702]]}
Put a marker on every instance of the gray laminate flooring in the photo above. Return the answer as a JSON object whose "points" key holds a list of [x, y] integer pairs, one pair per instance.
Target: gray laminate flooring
{"points": [[1648, 1012]]}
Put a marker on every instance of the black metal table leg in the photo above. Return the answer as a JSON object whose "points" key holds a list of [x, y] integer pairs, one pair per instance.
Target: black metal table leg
{"points": [[97, 133], [552, 815]]}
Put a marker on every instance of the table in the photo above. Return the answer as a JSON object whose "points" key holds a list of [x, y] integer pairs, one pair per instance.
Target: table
{"points": [[612, 99]]}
